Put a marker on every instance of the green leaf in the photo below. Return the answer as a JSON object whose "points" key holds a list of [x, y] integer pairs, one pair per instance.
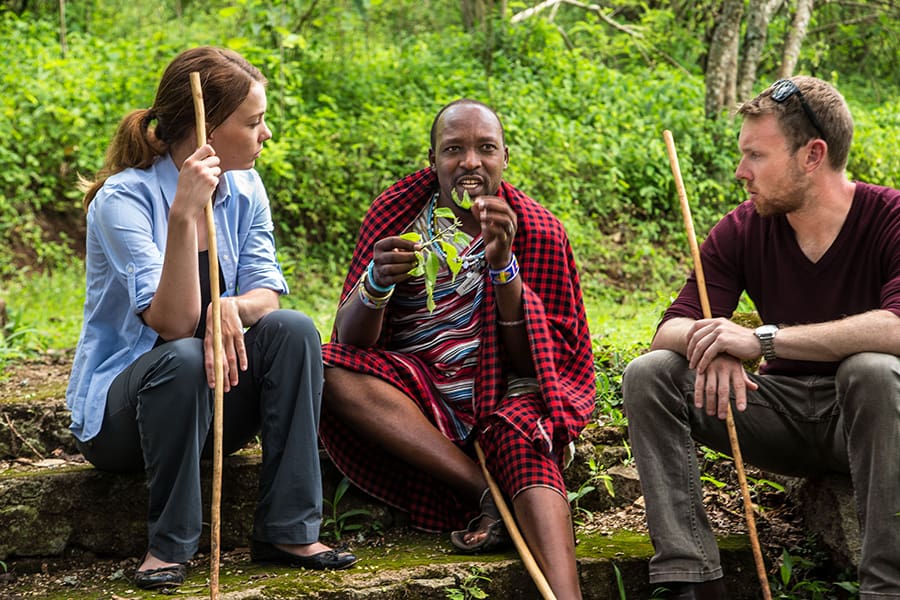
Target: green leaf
{"points": [[620, 583], [341, 489], [454, 262], [787, 567], [461, 237], [432, 266], [419, 269], [465, 202], [356, 512], [412, 236], [443, 211]]}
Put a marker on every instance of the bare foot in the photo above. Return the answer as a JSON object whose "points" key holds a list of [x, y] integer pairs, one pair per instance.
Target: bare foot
{"points": [[475, 537]]}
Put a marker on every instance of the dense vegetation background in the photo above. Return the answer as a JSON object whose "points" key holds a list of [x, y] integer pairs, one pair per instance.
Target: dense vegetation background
{"points": [[353, 88], [585, 92]]}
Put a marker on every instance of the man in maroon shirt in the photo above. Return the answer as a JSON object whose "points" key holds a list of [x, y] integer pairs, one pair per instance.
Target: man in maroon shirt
{"points": [[819, 255]]}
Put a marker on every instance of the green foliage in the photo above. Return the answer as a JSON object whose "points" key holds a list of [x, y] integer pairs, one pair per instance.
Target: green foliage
{"points": [[711, 457], [876, 144], [439, 248], [797, 580], [598, 476], [339, 521], [14, 340], [620, 583], [469, 588], [58, 114], [610, 359], [855, 38], [353, 88], [43, 313]]}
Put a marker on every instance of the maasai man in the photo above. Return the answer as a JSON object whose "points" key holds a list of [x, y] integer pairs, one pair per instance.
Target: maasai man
{"points": [[504, 357]]}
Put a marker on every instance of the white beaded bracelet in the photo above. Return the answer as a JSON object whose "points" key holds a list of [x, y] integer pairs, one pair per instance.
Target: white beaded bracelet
{"points": [[510, 323]]}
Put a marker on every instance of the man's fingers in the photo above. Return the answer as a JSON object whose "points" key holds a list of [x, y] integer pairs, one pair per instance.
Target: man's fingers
{"points": [[724, 397]]}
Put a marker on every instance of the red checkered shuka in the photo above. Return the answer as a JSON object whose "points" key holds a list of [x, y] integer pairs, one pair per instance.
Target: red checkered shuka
{"points": [[560, 345]]}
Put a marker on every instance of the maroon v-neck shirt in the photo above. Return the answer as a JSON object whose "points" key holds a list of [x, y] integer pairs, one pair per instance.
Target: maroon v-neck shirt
{"points": [[858, 273]]}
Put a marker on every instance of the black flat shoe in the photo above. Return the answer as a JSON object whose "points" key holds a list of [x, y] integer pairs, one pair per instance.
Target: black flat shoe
{"points": [[704, 590], [164, 577], [329, 559]]}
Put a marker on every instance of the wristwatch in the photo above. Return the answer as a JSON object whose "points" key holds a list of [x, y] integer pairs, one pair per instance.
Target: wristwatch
{"points": [[766, 336]]}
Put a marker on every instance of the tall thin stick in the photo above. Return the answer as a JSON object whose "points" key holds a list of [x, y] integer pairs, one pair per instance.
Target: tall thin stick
{"points": [[216, 501], [729, 419], [527, 559]]}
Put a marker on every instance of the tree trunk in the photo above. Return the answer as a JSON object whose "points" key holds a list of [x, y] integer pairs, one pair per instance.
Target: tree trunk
{"points": [[472, 13], [62, 28], [795, 37], [760, 14], [721, 65]]}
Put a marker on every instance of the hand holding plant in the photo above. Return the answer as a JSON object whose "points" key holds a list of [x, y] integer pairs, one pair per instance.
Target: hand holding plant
{"points": [[440, 244]]}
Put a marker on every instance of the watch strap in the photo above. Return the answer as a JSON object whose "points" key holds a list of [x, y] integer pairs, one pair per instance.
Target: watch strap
{"points": [[766, 336]]}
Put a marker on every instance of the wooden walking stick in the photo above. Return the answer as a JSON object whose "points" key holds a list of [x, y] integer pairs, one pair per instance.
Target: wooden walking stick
{"points": [[216, 501], [729, 418], [518, 541]]}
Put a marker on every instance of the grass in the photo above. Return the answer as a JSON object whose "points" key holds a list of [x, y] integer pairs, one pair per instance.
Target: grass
{"points": [[45, 311]]}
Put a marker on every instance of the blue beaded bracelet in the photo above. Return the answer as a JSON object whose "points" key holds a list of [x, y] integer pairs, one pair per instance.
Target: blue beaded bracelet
{"points": [[506, 274], [372, 282]]}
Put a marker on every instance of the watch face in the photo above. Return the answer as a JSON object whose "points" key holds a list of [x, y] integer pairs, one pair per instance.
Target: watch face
{"points": [[766, 330]]}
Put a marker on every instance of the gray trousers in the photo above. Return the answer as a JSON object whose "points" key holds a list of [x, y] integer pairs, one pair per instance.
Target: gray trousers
{"points": [[158, 418], [802, 426]]}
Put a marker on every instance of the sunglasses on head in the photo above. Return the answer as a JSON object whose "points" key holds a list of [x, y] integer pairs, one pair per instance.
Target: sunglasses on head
{"points": [[784, 89]]}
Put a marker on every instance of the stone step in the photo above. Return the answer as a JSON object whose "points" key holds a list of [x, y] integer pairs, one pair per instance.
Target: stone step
{"points": [[35, 428], [59, 509], [74, 507], [51, 505], [408, 565], [56, 517], [70, 505]]}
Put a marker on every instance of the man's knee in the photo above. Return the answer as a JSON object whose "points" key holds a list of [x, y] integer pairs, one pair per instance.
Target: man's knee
{"points": [[864, 378], [651, 371]]}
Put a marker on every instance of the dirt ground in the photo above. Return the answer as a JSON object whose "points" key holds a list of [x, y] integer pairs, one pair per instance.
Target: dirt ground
{"points": [[41, 378]]}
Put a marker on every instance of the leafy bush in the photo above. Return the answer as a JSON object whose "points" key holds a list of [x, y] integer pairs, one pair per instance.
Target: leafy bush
{"points": [[59, 114], [353, 89]]}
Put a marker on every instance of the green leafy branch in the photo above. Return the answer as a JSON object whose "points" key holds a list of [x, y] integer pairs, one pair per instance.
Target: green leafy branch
{"points": [[469, 589], [339, 521], [428, 259]]}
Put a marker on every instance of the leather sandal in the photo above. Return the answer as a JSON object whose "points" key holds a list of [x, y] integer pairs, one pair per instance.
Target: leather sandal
{"points": [[495, 535], [162, 578]]}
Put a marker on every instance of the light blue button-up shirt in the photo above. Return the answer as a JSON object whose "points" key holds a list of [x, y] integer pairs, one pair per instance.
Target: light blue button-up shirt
{"points": [[127, 226]]}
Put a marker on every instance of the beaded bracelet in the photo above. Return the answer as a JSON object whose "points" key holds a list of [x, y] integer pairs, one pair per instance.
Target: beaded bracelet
{"points": [[506, 274], [371, 276], [370, 301], [510, 323]]}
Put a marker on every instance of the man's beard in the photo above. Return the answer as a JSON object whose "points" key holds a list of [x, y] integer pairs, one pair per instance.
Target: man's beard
{"points": [[788, 200]]}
